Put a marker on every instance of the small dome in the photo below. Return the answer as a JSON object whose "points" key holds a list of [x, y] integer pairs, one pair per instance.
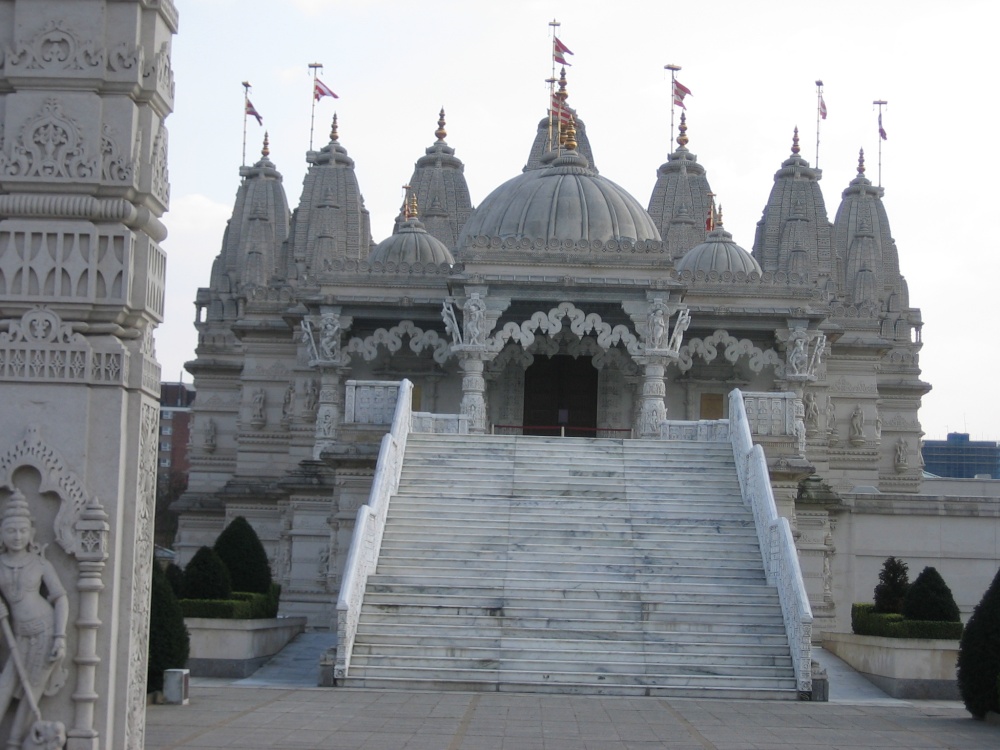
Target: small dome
{"points": [[566, 201], [411, 244], [718, 253]]}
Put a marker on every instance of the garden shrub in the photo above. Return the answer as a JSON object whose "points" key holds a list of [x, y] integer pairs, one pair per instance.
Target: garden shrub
{"points": [[169, 642], [175, 577], [206, 577], [929, 598], [241, 605], [892, 586], [979, 655], [866, 621], [242, 553]]}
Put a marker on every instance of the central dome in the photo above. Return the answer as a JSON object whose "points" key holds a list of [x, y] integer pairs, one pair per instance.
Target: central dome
{"points": [[565, 201]]}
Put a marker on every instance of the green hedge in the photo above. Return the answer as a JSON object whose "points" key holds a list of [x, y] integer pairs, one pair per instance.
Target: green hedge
{"points": [[866, 621], [243, 605]]}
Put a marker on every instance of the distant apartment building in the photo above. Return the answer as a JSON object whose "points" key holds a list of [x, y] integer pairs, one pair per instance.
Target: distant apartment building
{"points": [[172, 464], [960, 458]]}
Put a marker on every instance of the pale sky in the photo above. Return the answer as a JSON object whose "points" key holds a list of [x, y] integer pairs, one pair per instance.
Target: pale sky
{"points": [[751, 67]]}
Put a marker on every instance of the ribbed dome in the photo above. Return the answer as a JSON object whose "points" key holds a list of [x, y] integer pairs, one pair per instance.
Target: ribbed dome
{"points": [[564, 201], [718, 253], [411, 244]]}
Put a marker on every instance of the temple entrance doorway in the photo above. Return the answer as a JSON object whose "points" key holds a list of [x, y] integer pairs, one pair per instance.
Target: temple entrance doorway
{"points": [[560, 392]]}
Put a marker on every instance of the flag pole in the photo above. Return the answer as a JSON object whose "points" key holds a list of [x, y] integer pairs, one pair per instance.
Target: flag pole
{"points": [[315, 68], [246, 105], [551, 80], [880, 103], [819, 115], [673, 82]]}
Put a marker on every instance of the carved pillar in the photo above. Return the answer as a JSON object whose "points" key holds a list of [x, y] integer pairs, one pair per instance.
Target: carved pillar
{"points": [[471, 360], [652, 409], [328, 416]]}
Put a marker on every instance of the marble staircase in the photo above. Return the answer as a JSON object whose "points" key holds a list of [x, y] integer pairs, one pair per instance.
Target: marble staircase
{"points": [[626, 567]]}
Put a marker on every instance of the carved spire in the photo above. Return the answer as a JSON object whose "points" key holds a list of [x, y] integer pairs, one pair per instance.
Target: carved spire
{"points": [[265, 151], [682, 132], [441, 133], [333, 129], [861, 162], [795, 141]]}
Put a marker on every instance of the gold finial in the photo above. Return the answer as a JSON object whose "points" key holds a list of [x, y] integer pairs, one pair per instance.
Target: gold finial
{"points": [[682, 130], [571, 134], [440, 133], [411, 207], [861, 161], [333, 128], [265, 151], [795, 141]]}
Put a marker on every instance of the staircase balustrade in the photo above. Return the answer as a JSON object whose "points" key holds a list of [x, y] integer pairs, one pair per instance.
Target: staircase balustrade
{"points": [[781, 561], [369, 528]]}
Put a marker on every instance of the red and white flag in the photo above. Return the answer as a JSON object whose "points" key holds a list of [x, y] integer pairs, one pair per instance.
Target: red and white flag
{"points": [[320, 90], [561, 110], [881, 130], [252, 111], [680, 91], [822, 107], [559, 51]]}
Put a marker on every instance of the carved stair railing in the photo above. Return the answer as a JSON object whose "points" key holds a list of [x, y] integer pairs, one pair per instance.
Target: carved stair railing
{"points": [[368, 529], [781, 562]]}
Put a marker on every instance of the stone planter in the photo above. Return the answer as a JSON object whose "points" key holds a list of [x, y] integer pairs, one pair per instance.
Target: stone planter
{"points": [[902, 667], [237, 648]]}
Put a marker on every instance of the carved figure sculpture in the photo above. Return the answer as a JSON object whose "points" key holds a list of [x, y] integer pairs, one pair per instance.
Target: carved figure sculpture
{"points": [[680, 326], [210, 437], [475, 320], [657, 324], [309, 339], [329, 338], [312, 397], [34, 626], [878, 426], [797, 358], [857, 423], [812, 411], [451, 326], [902, 449], [288, 402], [259, 400]]}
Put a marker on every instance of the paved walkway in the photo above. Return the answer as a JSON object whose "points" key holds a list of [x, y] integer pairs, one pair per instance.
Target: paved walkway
{"points": [[278, 708]]}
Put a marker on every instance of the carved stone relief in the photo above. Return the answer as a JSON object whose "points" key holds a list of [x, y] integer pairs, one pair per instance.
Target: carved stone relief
{"points": [[55, 49], [50, 146]]}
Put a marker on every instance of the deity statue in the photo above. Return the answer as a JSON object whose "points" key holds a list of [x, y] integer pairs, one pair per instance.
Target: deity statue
{"points": [[857, 423], [210, 435], [329, 338], [451, 326], [797, 358], [812, 410], [259, 400], [312, 397], [657, 324], [475, 320], [288, 402], [680, 326], [902, 449], [33, 624], [878, 425]]}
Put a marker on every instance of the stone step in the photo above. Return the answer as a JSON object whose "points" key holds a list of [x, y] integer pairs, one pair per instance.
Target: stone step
{"points": [[680, 592], [569, 571]]}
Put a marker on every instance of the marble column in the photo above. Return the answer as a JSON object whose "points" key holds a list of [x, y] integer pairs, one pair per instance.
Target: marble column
{"points": [[652, 409], [471, 359]]}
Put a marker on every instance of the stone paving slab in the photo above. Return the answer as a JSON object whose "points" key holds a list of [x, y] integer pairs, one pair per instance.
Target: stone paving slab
{"points": [[225, 714]]}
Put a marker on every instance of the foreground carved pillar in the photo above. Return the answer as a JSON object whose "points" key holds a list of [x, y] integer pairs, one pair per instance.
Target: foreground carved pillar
{"points": [[86, 88], [471, 360], [652, 410]]}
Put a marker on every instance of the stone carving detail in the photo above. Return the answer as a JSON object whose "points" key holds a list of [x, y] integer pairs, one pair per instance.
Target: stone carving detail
{"points": [[209, 443], [804, 353], [55, 49], [288, 404], [878, 425], [474, 321], [81, 529], [115, 166], [50, 147], [451, 326], [733, 350], [392, 340], [551, 323], [322, 338], [258, 404], [811, 413], [160, 174], [145, 497], [125, 57], [857, 435], [902, 460], [311, 400], [831, 424]]}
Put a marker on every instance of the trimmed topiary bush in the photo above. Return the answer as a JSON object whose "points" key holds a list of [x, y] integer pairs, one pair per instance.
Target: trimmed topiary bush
{"points": [[979, 655], [242, 553], [929, 598], [866, 621], [893, 584], [169, 642], [175, 577], [206, 577], [243, 605]]}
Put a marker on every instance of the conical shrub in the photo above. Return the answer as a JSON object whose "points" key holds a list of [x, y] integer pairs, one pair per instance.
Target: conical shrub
{"points": [[892, 586], [243, 555], [175, 577], [979, 655], [169, 642], [929, 598], [206, 577]]}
